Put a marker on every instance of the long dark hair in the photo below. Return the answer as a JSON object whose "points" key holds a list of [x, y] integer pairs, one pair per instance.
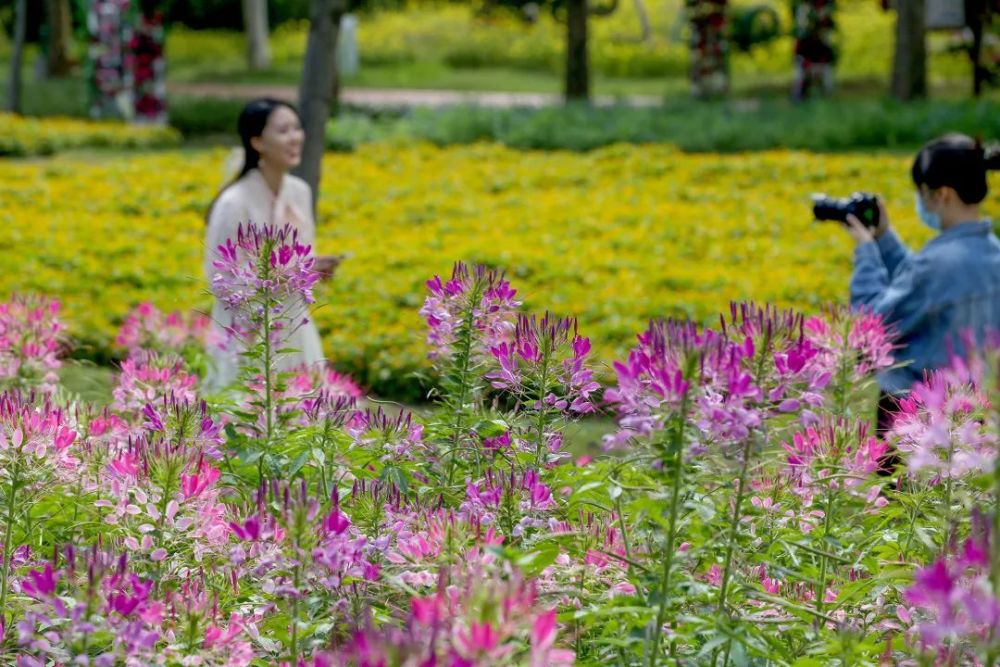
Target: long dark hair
{"points": [[959, 162], [251, 123]]}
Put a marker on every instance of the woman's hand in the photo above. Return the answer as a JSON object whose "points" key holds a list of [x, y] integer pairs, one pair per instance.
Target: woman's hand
{"points": [[862, 234], [325, 265], [858, 231]]}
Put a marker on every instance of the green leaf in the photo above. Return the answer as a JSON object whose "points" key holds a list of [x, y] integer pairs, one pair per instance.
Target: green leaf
{"points": [[491, 428], [319, 456], [535, 561], [249, 456], [297, 464], [396, 476]]}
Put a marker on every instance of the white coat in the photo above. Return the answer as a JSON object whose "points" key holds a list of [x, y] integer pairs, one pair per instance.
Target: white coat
{"points": [[250, 199]]}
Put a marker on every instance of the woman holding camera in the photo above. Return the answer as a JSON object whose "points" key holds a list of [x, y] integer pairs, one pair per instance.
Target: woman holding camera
{"points": [[951, 287]]}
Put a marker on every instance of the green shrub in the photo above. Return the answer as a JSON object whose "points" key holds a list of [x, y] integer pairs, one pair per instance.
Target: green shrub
{"points": [[204, 115], [829, 125]]}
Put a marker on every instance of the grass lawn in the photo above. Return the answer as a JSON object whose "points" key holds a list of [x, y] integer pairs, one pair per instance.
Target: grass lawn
{"points": [[92, 384]]}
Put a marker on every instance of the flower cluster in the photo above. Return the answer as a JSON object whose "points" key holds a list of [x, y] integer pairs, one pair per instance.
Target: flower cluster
{"points": [[860, 343], [265, 272], [954, 602], [760, 362], [295, 547], [163, 501], [311, 382], [389, 437], [545, 362], [421, 539], [514, 503], [150, 377], [479, 299], [30, 342], [944, 426], [93, 606], [837, 453], [36, 443], [148, 328], [482, 619]]}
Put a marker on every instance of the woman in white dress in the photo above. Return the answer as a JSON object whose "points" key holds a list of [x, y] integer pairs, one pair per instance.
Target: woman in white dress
{"points": [[264, 193]]}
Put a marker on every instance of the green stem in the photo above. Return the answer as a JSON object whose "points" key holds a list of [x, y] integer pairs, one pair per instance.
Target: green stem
{"points": [[840, 383], [295, 620], [677, 441], [947, 500], [821, 595], [540, 426], [465, 362], [991, 656], [912, 529], [192, 640], [91, 597], [731, 541], [734, 525], [8, 540], [621, 527], [268, 420]]}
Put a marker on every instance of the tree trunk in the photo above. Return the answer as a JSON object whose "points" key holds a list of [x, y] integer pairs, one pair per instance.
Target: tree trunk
{"points": [[256, 27], [909, 67], [319, 72], [977, 16], [60, 38], [644, 24], [17, 56], [577, 60]]}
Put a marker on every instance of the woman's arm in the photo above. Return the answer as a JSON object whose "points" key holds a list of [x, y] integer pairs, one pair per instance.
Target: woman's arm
{"points": [[902, 299], [894, 252], [223, 223]]}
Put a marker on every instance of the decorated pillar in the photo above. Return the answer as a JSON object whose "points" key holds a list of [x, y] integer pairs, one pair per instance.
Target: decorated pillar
{"points": [[815, 54], [146, 70], [107, 94], [126, 68], [709, 48]]}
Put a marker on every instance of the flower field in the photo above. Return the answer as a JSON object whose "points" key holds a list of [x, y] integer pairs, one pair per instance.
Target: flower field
{"points": [[615, 236], [743, 513], [20, 136]]}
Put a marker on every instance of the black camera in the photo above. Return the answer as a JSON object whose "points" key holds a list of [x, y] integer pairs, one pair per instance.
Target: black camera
{"points": [[863, 205]]}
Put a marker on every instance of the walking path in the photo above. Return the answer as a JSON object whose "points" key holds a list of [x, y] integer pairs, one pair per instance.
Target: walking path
{"points": [[401, 98]]}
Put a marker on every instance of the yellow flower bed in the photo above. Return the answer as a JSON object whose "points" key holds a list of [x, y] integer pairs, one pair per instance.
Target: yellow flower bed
{"points": [[616, 236], [22, 136]]}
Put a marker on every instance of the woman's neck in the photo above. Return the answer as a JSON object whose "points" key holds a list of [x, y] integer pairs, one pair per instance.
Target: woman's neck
{"points": [[960, 215], [272, 176]]}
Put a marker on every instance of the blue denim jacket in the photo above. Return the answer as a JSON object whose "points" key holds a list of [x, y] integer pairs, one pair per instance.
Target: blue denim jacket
{"points": [[931, 297]]}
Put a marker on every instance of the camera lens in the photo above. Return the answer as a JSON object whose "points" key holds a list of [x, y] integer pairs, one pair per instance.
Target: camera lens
{"points": [[829, 208]]}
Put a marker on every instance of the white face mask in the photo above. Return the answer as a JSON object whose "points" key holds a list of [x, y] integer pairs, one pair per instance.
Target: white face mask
{"points": [[929, 218]]}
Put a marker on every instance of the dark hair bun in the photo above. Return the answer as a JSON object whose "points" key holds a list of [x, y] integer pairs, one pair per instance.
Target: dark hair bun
{"points": [[956, 161]]}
